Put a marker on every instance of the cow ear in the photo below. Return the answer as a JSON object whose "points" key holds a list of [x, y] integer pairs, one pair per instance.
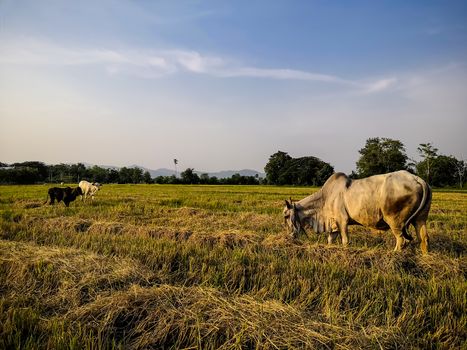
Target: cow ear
{"points": [[288, 204]]}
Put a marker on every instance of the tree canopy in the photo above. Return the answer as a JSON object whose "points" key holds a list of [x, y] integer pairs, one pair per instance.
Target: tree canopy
{"points": [[440, 170], [282, 169], [38, 172], [380, 156]]}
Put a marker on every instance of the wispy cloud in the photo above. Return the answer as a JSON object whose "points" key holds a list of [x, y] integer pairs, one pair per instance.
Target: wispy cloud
{"points": [[380, 85], [151, 64], [281, 73]]}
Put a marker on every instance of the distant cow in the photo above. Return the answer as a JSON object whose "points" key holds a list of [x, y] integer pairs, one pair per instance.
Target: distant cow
{"points": [[89, 189], [389, 201], [66, 194]]}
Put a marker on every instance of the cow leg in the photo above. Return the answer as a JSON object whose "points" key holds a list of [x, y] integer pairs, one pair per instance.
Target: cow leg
{"points": [[344, 234], [399, 238], [332, 237], [422, 234]]}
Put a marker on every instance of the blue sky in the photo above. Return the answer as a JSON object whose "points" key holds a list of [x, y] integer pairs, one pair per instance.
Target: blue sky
{"points": [[225, 84]]}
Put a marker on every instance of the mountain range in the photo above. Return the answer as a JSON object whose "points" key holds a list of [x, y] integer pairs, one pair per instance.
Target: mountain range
{"points": [[219, 174], [169, 172]]}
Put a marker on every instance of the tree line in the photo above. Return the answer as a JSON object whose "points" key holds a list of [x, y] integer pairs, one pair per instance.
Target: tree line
{"points": [[383, 155], [378, 156], [282, 169], [38, 172], [189, 176]]}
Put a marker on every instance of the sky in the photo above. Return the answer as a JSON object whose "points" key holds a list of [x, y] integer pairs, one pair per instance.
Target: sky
{"points": [[223, 85]]}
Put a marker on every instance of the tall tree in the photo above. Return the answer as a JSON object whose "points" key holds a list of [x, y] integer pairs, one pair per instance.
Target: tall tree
{"points": [[282, 169], [98, 174], [273, 169], [443, 171], [78, 171], [306, 171], [461, 168], [429, 153], [147, 177], [189, 176], [130, 175], [380, 156], [323, 173], [175, 165]]}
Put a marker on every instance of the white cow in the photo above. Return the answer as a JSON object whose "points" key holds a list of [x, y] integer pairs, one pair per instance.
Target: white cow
{"points": [[89, 189], [388, 201]]}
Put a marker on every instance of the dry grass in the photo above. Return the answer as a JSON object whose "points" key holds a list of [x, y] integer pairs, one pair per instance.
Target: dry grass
{"points": [[210, 267]]}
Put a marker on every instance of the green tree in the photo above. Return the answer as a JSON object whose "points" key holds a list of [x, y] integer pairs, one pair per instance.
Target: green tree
{"points": [[112, 176], [304, 171], [189, 176], [442, 170], [39, 168], [172, 179], [19, 175], [130, 175], [136, 175], [78, 171], [124, 175], [275, 166], [380, 156], [204, 179], [213, 180], [60, 172], [147, 178], [429, 153], [98, 174], [323, 173]]}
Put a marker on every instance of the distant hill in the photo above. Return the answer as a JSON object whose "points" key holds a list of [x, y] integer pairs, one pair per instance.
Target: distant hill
{"points": [[218, 174], [169, 172]]}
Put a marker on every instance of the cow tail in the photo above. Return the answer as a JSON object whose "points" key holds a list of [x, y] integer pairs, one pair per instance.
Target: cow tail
{"points": [[46, 200], [425, 198]]}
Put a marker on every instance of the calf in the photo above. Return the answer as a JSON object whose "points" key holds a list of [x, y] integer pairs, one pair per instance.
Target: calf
{"points": [[88, 189], [66, 194]]}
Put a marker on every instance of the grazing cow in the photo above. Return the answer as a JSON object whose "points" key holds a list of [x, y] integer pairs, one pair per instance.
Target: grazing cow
{"points": [[66, 194], [382, 202], [89, 189]]}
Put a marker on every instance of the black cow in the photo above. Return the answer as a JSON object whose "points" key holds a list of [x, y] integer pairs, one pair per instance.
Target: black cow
{"points": [[66, 194]]}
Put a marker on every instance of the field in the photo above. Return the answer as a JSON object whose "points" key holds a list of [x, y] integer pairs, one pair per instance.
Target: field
{"points": [[209, 267]]}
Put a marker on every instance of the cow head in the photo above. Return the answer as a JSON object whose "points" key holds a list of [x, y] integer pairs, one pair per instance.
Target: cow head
{"points": [[292, 218], [78, 191]]}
